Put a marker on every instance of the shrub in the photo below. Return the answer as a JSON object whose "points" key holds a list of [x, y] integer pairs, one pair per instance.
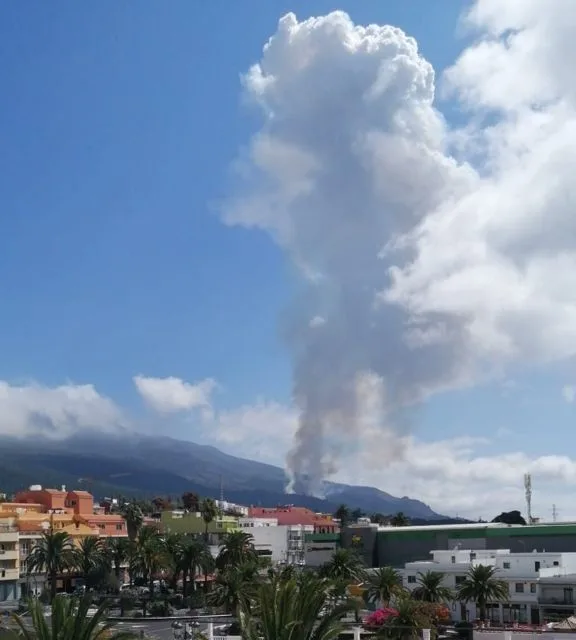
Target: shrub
{"points": [[176, 601], [159, 608]]}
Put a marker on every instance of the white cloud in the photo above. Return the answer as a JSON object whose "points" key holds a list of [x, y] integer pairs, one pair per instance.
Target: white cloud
{"points": [[263, 431], [569, 393], [55, 412], [171, 395], [431, 270]]}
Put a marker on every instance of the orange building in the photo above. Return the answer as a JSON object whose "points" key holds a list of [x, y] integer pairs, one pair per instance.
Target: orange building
{"points": [[39, 508]]}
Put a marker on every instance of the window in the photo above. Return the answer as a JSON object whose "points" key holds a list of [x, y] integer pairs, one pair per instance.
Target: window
{"points": [[119, 527], [519, 587], [556, 563], [460, 580], [453, 559], [537, 566], [532, 588], [506, 565], [411, 579], [472, 556]]}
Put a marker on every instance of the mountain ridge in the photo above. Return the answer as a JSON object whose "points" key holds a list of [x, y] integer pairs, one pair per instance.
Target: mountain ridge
{"points": [[139, 464]]}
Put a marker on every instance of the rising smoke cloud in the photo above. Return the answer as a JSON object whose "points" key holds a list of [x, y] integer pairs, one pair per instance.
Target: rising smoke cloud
{"points": [[429, 269]]}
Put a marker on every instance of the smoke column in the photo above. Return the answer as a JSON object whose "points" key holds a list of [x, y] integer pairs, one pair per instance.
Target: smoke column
{"points": [[396, 240]]}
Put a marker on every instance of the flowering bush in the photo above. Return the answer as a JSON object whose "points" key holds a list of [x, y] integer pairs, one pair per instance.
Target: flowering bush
{"points": [[379, 617]]}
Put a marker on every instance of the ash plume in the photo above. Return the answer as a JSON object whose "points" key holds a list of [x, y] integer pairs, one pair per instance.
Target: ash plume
{"points": [[407, 287]]}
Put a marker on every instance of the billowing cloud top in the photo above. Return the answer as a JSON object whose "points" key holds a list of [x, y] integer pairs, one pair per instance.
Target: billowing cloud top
{"points": [[435, 257]]}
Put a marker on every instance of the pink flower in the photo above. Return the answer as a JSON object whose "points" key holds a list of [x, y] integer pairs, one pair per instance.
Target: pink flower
{"points": [[380, 617]]}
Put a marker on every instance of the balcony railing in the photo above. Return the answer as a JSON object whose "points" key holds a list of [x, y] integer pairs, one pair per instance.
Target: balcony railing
{"points": [[557, 601]]}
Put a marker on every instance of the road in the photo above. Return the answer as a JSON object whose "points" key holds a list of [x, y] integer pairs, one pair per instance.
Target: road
{"points": [[161, 629]]}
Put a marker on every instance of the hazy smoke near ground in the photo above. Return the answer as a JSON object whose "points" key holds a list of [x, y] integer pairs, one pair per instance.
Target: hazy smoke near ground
{"points": [[422, 272]]}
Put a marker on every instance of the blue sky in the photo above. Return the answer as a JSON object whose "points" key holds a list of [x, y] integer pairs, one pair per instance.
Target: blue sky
{"points": [[120, 124]]}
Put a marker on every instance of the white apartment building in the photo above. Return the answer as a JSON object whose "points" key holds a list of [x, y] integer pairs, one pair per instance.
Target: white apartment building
{"points": [[282, 543], [522, 572]]}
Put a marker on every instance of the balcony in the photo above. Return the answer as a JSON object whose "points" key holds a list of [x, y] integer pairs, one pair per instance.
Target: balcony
{"points": [[9, 574], [557, 601], [8, 534], [9, 554]]}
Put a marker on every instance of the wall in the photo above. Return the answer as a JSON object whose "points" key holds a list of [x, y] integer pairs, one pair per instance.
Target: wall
{"points": [[398, 547], [274, 539], [193, 523], [318, 553]]}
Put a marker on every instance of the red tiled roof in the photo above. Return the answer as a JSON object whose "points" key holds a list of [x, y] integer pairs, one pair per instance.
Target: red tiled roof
{"points": [[290, 515]]}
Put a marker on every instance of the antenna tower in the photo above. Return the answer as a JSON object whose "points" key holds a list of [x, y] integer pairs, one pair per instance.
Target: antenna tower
{"points": [[554, 513], [528, 489], [221, 488]]}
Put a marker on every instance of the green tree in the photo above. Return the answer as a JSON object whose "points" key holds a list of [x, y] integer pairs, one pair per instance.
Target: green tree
{"points": [[382, 585], [209, 511], [132, 513], [191, 501], [293, 610], [399, 520], [117, 552], [431, 588], [343, 515], [345, 566], [54, 553], [90, 560], [233, 587], [196, 557], [482, 586], [174, 548], [411, 618], [68, 620], [150, 555], [237, 548]]}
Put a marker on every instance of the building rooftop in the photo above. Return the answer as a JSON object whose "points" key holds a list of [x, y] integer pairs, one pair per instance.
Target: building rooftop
{"points": [[288, 514], [444, 527]]}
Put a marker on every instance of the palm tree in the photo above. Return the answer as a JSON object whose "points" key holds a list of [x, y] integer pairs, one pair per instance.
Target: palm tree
{"points": [[234, 586], [431, 589], [344, 566], [399, 520], [174, 548], [195, 555], [289, 609], [482, 586], [150, 555], [132, 513], [117, 551], [383, 584], [69, 620], [238, 548], [54, 554], [89, 556], [209, 511]]}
